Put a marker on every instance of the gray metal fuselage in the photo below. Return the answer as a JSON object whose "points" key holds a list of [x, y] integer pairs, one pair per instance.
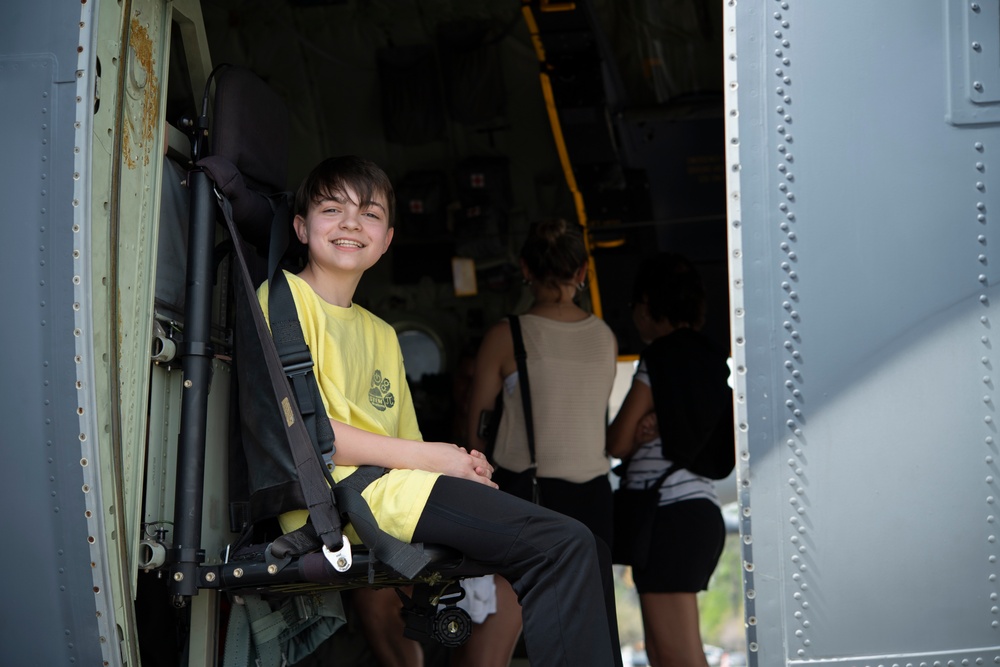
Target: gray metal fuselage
{"points": [[860, 275]]}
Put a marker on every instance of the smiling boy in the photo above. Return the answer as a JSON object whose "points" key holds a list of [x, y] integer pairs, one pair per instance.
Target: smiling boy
{"points": [[432, 492]]}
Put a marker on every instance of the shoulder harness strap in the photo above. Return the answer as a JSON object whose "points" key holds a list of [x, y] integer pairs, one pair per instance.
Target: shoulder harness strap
{"points": [[521, 357]]}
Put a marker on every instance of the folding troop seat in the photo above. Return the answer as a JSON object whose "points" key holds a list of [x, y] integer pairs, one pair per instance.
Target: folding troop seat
{"points": [[241, 165]]}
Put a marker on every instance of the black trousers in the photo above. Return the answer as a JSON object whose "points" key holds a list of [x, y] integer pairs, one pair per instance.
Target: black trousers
{"points": [[560, 572], [590, 503]]}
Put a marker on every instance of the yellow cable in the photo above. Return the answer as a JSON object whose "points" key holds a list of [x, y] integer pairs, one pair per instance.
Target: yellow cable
{"points": [[567, 167], [549, 6]]}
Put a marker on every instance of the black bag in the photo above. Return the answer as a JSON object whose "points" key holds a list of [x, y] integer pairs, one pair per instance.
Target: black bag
{"points": [[634, 512], [633, 525], [694, 405]]}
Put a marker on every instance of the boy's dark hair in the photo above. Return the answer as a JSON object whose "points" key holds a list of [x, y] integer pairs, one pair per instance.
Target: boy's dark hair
{"points": [[332, 177], [554, 251], [671, 287]]}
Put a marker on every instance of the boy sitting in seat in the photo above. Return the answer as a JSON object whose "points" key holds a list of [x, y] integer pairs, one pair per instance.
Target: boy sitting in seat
{"points": [[432, 492]]}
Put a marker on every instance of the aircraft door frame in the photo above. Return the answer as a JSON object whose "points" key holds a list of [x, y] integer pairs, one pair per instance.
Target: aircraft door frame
{"points": [[862, 283]]}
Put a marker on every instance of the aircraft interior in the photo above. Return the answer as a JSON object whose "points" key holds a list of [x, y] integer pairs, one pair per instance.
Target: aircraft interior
{"points": [[487, 116], [606, 113]]}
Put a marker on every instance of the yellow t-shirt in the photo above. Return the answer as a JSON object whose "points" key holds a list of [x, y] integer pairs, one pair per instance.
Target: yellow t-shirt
{"points": [[359, 368]]}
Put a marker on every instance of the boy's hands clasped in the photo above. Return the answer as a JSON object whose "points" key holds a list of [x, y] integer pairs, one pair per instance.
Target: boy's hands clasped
{"points": [[456, 461], [484, 467]]}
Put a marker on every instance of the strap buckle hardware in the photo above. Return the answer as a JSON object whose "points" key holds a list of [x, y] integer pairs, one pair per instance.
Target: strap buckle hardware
{"points": [[299, 368], [341, 559]]}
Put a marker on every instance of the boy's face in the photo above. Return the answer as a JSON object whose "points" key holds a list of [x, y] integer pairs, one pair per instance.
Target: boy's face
{"points": [[345, 235]]}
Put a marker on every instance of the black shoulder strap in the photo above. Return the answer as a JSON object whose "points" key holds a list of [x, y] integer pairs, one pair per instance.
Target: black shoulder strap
{"points": [[297, 361], [670, 471], [312, 476], [321, 495], [298, 365], [520, 356]]}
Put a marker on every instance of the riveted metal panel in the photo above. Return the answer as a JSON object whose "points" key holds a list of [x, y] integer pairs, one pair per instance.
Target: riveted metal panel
{"points": [[864, 334], [974, 61], [58, 610]]}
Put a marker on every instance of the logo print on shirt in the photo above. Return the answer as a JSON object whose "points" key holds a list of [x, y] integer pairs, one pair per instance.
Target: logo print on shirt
{"points": [[379, 395]]}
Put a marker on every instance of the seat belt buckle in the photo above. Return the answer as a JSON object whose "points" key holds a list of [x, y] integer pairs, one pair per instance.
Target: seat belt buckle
{"points": [[299, 368], [341, 559]]}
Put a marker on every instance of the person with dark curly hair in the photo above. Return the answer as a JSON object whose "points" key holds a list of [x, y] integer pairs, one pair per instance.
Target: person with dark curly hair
{"points": [[688, 532]]}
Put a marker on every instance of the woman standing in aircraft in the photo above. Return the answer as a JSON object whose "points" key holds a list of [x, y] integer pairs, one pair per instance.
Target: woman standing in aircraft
{"points": [[688, 533], [570, 361]]}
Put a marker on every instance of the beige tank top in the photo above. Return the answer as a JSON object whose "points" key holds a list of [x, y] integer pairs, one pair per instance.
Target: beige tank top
{"points": [[571, 367]]}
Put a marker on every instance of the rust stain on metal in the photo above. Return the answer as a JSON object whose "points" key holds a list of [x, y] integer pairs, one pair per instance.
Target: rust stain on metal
{"points": [[145, 87]]}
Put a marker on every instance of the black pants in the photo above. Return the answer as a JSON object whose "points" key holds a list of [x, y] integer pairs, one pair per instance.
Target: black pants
{"points": [[590, 503], [560, 572]]}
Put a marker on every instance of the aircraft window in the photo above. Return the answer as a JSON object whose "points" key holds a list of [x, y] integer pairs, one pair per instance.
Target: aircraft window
{"points": [[180, 91], [423, 352]]}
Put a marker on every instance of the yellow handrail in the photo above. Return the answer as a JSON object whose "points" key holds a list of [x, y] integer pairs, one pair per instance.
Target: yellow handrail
{"points": [[557, 135]]}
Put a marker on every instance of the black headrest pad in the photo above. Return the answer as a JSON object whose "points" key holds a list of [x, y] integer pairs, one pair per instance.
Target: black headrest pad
{"points": [[250, 128]]}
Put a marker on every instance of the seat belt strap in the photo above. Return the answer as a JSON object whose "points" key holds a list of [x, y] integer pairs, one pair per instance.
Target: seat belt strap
{"points": [[308, 467], [287, 334], [297, 361], [402, 557], [521, 358]]}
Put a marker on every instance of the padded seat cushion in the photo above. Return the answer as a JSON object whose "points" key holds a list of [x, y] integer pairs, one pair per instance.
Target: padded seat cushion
{"points": [[254, 136]]}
